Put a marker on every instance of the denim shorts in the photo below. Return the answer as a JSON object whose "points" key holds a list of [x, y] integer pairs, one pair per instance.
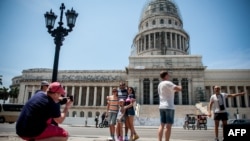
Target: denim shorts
{"points": [[130, 111], [167, 116], [112, 118]]}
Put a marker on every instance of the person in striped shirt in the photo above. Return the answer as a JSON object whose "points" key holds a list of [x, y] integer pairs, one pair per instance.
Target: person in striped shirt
{"points": [[112, 110]]}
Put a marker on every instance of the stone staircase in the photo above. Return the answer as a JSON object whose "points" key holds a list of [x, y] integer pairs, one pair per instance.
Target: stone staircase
{"points": [[152, 111]]}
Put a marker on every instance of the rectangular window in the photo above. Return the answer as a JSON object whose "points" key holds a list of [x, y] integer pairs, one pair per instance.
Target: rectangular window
{"points": [[84, 94], [91, 96], [98, 96], [146, 91]]}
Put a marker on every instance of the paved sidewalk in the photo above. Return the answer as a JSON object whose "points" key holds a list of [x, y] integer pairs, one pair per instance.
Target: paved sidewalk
{"points": [[14, 137], [78, 138]]}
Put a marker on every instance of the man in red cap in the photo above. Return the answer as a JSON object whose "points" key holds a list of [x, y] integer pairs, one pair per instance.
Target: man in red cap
{"points": [[34, 122]]}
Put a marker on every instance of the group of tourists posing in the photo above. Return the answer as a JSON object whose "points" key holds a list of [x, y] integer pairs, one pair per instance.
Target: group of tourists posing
{"points": [[42, 113], [120, 112]]}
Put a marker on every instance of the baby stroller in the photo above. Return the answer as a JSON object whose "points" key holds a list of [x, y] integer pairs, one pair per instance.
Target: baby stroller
{"points": [[104, 123], [190, 121], [201, 122]]}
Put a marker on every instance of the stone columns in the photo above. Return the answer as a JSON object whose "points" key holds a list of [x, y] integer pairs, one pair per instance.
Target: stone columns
{"points": [[189, 92], [154, 40], [171, 40], [102, 99], [80, 96], [95, 95], [175, 40], [229, 99], [87, 97], [179, 36], [33, 90], [110, 91], [22, 93], [151, 91], [180, 93], [166, 40], [246, 96], [141, 91], [238, 97]]}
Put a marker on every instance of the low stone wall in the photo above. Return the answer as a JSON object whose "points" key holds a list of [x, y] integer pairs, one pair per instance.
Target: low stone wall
{"points": [[139, 121]]}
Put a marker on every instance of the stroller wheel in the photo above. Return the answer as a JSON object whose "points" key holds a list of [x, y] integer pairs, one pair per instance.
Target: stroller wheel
{"points": [[100, 125]]}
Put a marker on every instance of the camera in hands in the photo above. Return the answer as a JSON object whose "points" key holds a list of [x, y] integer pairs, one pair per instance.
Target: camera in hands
{"points": [[71, 98], [65, 99]]}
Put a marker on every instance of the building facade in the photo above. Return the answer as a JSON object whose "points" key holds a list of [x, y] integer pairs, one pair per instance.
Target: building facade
{"points": [[160, 44]]}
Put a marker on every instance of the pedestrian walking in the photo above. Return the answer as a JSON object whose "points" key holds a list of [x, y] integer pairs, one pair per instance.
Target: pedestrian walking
{"points": [[96, 121], [103, 116]]}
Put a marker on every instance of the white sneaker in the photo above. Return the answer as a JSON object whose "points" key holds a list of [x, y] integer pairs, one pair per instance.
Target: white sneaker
{"points": [[110, 139]]}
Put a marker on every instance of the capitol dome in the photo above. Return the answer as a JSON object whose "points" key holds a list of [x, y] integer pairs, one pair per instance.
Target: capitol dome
{"points": [[160, 30], [160, 7]]}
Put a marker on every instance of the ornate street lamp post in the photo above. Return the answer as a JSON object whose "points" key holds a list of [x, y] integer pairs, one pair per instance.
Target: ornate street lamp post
{"points": [[59, 33]]}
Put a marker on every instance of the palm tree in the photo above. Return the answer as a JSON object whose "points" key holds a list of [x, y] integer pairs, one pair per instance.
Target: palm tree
{"points": [[14, 92], [4, 94], [1, 82]]}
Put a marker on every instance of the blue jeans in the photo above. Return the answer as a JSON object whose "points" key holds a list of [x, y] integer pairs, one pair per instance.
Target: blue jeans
{"points": [[112, 118], [167, 116]]}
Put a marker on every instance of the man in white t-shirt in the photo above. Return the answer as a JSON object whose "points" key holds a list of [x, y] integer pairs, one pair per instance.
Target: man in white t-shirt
{"points": [[217, 100], [166, 90]]}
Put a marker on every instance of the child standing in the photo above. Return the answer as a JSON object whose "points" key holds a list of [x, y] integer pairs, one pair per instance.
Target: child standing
{"points": [[120, 120]]}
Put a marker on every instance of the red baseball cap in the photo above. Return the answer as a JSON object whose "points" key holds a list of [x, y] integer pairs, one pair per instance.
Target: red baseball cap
{"points": [[56, 87]]}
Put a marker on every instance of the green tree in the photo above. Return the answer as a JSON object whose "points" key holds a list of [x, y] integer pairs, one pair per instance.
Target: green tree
{"points": [[1, 81], [4, 94], [14, 92]]}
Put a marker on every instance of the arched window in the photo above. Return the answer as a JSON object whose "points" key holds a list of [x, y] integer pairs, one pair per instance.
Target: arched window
{"points": [[89, 114], [161, 21], [153, 22], [97, 113], [169, 21], [81, 114], [74, 114]]}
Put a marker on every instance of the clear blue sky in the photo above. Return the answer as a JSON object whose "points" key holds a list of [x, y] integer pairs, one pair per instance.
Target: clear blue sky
{"points": [[219, 31]]}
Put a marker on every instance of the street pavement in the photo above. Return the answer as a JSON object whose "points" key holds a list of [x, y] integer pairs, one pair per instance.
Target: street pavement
{"points": [[100, 138], [11, 136], [80, 138]]}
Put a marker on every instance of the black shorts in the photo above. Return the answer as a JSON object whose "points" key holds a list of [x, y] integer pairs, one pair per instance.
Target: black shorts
{"points": [[220, 116]]}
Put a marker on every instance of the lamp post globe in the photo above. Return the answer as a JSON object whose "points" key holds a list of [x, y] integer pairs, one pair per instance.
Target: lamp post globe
{"points": [[59, 33]]}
